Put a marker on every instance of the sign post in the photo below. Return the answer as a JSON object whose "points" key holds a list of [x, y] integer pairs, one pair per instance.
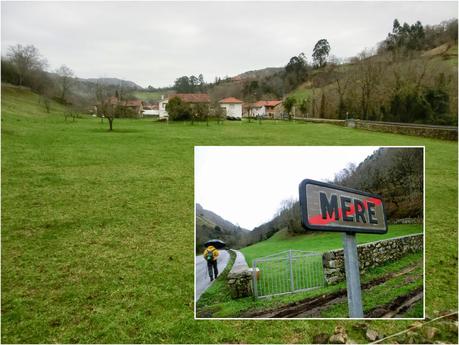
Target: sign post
{"points": [[327, 207], [351, 264]]}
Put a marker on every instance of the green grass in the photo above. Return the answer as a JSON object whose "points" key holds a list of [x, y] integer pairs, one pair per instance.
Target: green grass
{"points": [[97, 227], [319, 241], [382, 294], [147, 95], [301, 94], [236, 308]]}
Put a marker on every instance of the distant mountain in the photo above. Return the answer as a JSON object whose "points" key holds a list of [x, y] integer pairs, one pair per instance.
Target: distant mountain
{"points": [[210, 225], [114, 82], [82, 91]]}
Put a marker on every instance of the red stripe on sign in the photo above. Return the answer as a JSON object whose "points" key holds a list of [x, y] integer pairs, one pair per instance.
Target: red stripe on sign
{"points": [[318, 220]]}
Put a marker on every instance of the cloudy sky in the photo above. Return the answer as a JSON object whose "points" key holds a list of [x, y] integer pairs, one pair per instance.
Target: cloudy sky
{"points": [[246, 184], [153, 43]]}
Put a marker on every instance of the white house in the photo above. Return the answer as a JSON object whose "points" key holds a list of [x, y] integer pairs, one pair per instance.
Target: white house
{"points": [[191, 98], [151, 110], [162, 108], [232, 106], [270, 109]]}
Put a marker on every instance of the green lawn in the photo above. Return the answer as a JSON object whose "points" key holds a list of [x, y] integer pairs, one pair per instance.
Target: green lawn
{"points": [[319, 241], [301, 94], [222, 306], [147, 95], [97, 227]]}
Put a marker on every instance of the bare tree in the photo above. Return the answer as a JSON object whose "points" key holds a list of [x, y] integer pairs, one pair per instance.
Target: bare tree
{"points": [[341, 89], [65, 77], [25, 60], [106, 106], [369, 73]]}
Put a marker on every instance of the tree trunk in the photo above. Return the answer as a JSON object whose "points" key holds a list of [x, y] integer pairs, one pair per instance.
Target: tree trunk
{"points": [[110, 121]]}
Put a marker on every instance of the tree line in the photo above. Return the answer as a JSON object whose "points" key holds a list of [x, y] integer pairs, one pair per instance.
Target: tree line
{"points": [[25, 66], [395, 81], [396, 174]]}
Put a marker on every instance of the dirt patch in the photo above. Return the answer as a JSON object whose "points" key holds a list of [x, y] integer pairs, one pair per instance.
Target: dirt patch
{"points": [[313, 305], [397, 306]]}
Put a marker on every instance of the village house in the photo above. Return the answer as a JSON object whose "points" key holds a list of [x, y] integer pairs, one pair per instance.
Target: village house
{"points": [[124, 108], [133, 106], [268, 109], [232, 106], [162, 108], [151, 110], [192, 98]]}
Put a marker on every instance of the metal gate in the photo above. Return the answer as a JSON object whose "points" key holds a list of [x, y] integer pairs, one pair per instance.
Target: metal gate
{"points": [[287, 272]]}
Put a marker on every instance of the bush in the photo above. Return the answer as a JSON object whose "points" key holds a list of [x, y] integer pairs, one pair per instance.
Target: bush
{"points": [[178, 110]]}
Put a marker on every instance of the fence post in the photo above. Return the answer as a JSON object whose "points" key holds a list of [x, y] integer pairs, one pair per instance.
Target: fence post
{"points": [[254, 276], [292, 285]]}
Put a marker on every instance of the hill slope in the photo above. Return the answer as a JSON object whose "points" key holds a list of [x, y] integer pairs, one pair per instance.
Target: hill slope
{"points": [[210, 225]]}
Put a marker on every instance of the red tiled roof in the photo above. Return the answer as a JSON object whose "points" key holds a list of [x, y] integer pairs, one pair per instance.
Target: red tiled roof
{"points": [[267, 103], [230, 100], [192, 97]]}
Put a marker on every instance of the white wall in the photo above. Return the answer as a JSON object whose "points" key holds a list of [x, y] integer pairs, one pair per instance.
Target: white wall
{"points": [[162, 109], [232, 109], [151, 112], [261, 111]]}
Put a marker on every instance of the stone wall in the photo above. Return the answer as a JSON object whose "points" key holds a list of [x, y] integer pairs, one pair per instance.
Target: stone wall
{"points": [[432, 131], [438, 132], [240, 278], [371, 255]]}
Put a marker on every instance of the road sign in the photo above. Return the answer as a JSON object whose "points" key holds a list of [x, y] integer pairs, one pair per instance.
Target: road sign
{"points": [[328, 207]]}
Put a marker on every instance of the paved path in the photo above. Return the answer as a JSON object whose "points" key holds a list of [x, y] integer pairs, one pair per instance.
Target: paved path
{"points": [[240, 261], [202, 277]]}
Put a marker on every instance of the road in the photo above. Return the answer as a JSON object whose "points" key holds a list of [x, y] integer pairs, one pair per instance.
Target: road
{"points": [[202, 277]]}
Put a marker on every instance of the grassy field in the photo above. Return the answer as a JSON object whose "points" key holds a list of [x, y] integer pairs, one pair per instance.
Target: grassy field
{"points": [[218, 303], [97, 227], [300, 94], [318, 241], [147, 95]]}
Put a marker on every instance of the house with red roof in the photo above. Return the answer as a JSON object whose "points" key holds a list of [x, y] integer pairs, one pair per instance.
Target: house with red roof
{"points": [[126, 108], [270, 109], [232, 106], [192, 98], [133, 106]]}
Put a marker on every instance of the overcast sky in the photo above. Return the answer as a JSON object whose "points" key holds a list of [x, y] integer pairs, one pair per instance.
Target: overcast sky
{"points": [[153, 43], [246, 184]]}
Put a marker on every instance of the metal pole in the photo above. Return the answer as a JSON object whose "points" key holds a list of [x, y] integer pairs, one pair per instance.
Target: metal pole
{"points": [[292, 285], [351, 263]]}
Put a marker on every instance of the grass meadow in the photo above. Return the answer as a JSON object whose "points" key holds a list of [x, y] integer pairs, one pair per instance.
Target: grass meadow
{"points": [[217, 303], [98, 227], [319, 241]]}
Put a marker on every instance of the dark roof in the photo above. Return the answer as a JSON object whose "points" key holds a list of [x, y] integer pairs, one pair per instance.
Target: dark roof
{"points": [[192, 97]]}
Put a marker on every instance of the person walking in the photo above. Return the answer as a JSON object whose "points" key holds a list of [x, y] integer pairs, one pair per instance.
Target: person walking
{"points": [[211, 255]]}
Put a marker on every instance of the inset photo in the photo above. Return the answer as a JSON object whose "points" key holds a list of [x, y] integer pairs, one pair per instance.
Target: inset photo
{"points": [[309, 232]]}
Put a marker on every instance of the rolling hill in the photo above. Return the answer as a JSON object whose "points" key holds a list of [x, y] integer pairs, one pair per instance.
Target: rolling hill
{"points": [[210, 225]]}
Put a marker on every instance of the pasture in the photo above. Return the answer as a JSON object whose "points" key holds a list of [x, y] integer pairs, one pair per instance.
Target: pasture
{"points": [[319, 241], [98, 226]]}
